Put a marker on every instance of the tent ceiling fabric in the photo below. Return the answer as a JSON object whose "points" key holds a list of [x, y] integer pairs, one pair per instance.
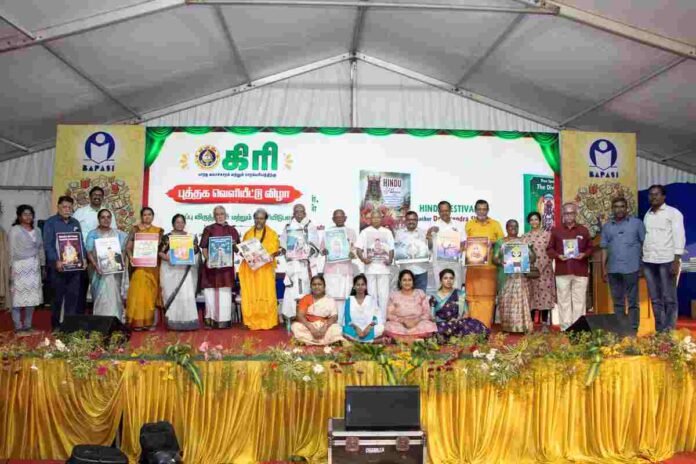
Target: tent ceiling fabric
{"points": [[542, 64]]}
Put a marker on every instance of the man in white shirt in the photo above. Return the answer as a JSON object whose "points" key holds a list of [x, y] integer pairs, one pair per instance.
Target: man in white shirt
{"points": [[339, 275], [445, 223], [664, 244], [299, 272], [413, 235], [376, 249], [87, 215]]}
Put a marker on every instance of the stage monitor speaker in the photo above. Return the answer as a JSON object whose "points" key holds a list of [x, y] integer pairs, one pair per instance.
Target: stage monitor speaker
{"points": [[91, 454], [607, 322], [383, 408], [157, 441], [106, 325]]}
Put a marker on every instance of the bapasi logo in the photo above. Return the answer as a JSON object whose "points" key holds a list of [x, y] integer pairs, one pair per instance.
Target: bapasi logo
{"points": [[100, 148], [603, 159]]}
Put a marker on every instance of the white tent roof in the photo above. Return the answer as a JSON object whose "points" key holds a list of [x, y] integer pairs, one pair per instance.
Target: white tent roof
{"points": [[586, 64]]}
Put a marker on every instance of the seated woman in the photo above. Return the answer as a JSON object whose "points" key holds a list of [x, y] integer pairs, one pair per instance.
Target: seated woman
{"points": [[408, 311], [316, 317], [451, 310], [361, 314]]}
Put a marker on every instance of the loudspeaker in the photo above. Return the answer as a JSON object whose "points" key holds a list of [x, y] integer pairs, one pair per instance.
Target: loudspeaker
{"points": [[155, 438], [383, 408], [106, 325], [92, 454], [607, 322]]}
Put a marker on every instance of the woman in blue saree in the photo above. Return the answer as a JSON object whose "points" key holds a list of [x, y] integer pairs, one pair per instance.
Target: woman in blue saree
{"points": [[451, 311]]}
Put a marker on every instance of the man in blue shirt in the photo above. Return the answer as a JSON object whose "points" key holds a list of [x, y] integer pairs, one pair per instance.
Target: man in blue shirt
{"points": [[66, 285], [622, 244]]}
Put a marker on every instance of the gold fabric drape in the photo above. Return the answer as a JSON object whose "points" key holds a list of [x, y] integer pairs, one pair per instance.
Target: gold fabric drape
{"points": [[636, 411]]}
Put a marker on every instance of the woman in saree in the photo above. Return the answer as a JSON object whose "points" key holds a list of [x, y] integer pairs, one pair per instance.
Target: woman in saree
{"points": [[179, 282], [408, 311], [513, 297], [108, 284], [542, 289], [361, 321], [451, 310], [259, 298], [144, 291], [317, 316]]}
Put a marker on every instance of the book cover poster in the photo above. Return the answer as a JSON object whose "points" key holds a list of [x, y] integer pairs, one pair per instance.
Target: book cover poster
{"points": [[254, 253], [109, 255], [145, 247], [181, 252], [337, 245], [515, 258], [477, 250], [377, 249], [409, 249], [220, 253], [297, 245], [571, 249], [387, 192], [447, 245], [538, 198], [70, 251]]}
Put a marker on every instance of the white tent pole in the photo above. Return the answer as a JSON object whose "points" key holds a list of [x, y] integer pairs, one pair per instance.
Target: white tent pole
{"points": [[236, 55], [678, 154], [353, 93], [14, 144], [624, 90], [357, 29]]}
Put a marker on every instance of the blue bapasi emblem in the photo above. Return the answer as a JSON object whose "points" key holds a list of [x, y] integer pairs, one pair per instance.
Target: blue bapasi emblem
{"points": [[100, 147], [603, 155]]}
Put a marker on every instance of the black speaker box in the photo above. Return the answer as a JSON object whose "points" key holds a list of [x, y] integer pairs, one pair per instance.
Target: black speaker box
{"points": [[156, 437], [106, 325], [383, 408], [93, 454], [606, 322]]}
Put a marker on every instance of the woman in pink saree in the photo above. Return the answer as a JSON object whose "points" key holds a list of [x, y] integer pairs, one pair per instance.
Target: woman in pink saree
{"points": [[408, 312]]}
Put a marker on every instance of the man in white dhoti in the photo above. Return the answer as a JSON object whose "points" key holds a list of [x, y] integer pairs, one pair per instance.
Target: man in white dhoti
{"points": [[338, 272], [375, 248], [299, 271]]}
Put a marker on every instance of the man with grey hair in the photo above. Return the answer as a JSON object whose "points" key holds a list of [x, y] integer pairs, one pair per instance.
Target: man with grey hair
{"points": [[571, 246]]}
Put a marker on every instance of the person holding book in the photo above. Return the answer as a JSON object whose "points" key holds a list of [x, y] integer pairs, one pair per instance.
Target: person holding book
{"points": [[481, 280], [446, 224], [570, 246], [26, 261], [543, 288], [107, 287], [317, 318], [218, 282], [361, 321], [259, 298], [179, 281], [513, 295], [339, 274], [299, 270], [413, 234], [375, 249], [451, 311], [408, 311], [144, 290], [665, 241], [65, 284]]}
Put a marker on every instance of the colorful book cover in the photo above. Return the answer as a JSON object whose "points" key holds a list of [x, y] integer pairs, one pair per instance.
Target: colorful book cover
{"points": [[571, 249], [515, 258], [477, 250], [181, 251], [145, 247], [377, 249], [538, 197], [220, 252], [109, 255], [254, 253], [70, 251], [447, 246], [337, 245], [386, 192], [409, 249], [297, 245]]}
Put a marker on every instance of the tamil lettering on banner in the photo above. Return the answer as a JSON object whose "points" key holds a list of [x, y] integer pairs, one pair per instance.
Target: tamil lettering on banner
{"points": [[110, 157], [244, 194], [597, 167]]}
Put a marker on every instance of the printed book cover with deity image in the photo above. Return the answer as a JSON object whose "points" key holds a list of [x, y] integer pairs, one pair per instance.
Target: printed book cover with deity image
{"points": [[477, 249], [571, 248], [377, 249], [254, 253], [109, 255], [297, 245], [409, 249], [337, 245], [387, 192], [145, 247], [447, 245], [70, 251], [220, 253], [181, 252], [515, 258]]}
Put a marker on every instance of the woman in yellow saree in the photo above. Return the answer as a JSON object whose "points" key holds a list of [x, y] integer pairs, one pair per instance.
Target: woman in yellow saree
{"points": [[144, 290], [259, 299]]}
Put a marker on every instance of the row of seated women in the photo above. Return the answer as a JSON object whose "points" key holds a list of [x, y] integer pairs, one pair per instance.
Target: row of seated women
{"points": [[411, 314]]}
